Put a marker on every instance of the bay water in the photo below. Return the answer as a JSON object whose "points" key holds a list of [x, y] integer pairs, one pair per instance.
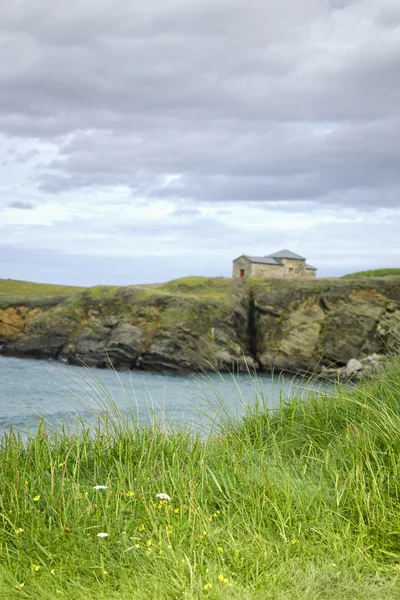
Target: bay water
{"points": [[61, 394]]}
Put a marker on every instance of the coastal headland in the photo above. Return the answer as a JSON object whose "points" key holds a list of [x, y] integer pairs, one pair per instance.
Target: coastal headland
{"points": [[207, 323]]}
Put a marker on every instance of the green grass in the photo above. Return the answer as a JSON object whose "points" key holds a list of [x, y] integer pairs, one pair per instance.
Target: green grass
{"points": [[199, 286], [373, 273], [300, 503], [11, 287], [31, 294]]}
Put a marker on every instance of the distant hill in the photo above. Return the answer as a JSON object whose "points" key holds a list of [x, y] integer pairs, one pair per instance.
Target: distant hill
{"points": [[373, 273]]}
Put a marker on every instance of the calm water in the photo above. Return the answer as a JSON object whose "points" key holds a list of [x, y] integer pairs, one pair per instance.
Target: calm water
{"points": [[31, 389]]}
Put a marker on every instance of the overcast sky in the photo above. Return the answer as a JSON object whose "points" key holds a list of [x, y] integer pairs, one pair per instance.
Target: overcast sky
{"points": [[143, 141]]}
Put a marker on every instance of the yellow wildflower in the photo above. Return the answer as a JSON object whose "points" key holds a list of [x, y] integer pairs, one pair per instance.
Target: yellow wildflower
{"points": [[208, 586], [36, 498], [19, 530], [19, 586], [220, 549], [129, 494], [176, 510]]}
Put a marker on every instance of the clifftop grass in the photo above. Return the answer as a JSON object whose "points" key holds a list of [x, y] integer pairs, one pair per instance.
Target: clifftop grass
{"points": [[220, 289], [373, 273], [33, 294], [297, 503]]}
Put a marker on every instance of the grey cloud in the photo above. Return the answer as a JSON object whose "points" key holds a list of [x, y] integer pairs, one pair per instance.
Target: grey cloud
{"points": [[21, 204], [248, 100], [90, 67], [278, 162]]}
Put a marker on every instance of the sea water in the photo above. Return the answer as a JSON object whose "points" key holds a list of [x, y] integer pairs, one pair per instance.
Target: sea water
{"points": [[61, 394]]}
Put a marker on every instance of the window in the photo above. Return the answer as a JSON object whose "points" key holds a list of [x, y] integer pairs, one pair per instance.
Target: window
{"points": [[290, 270], [241, 272]]}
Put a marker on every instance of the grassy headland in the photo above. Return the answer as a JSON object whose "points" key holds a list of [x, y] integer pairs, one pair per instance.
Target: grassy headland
{"points": [[373, 273], [28, 293], [300, 503]]}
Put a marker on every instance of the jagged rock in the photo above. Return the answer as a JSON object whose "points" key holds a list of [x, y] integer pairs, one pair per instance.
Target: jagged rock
{"points": [[177, 352], [110, 322], [45, 336], [124, 346], [355, 370], [87, 346], [353, 366], [280, 325], [14, 321]]}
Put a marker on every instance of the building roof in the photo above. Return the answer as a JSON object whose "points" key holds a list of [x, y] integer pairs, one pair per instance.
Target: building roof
{"points": [[285, 254], [265, 260], [275, 258]]}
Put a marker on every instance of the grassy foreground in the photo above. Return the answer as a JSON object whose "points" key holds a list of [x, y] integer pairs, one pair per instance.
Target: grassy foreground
{"points": [[303, 503]]}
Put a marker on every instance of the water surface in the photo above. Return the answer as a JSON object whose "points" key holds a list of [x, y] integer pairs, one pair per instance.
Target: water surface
{"points": [[33, 389]]}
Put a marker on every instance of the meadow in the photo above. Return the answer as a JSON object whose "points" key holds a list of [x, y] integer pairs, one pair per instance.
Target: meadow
{"points": [[301, 502]]}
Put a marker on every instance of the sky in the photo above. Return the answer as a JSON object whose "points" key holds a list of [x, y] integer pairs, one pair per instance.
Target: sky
{"points": [[145, 141]]}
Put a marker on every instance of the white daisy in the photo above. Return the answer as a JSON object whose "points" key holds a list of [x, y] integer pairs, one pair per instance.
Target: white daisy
{"points": [[100, 487], [102, 535], [163, 496]]}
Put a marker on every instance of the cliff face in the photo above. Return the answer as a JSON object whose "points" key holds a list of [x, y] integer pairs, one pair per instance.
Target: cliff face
{"points": [[210, 323]]}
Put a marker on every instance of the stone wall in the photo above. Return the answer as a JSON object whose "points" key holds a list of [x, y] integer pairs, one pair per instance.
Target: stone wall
{"points": [[267, 271], [241, 263], [299, 268]]}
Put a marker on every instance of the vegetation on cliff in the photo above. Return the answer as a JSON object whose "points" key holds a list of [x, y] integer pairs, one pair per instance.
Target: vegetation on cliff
{"points": [[297, 503], [373, 273], [199, 322]]}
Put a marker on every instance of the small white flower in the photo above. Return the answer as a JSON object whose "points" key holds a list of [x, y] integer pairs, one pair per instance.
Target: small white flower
{"points": [[102, 535], [163, 496], [99, 487]]}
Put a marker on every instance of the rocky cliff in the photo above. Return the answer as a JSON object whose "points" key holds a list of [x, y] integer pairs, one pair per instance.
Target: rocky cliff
{"points": [[204, 323]]}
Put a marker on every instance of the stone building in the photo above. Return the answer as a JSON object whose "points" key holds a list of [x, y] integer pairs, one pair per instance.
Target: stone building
{"points": [[280, 264]]}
